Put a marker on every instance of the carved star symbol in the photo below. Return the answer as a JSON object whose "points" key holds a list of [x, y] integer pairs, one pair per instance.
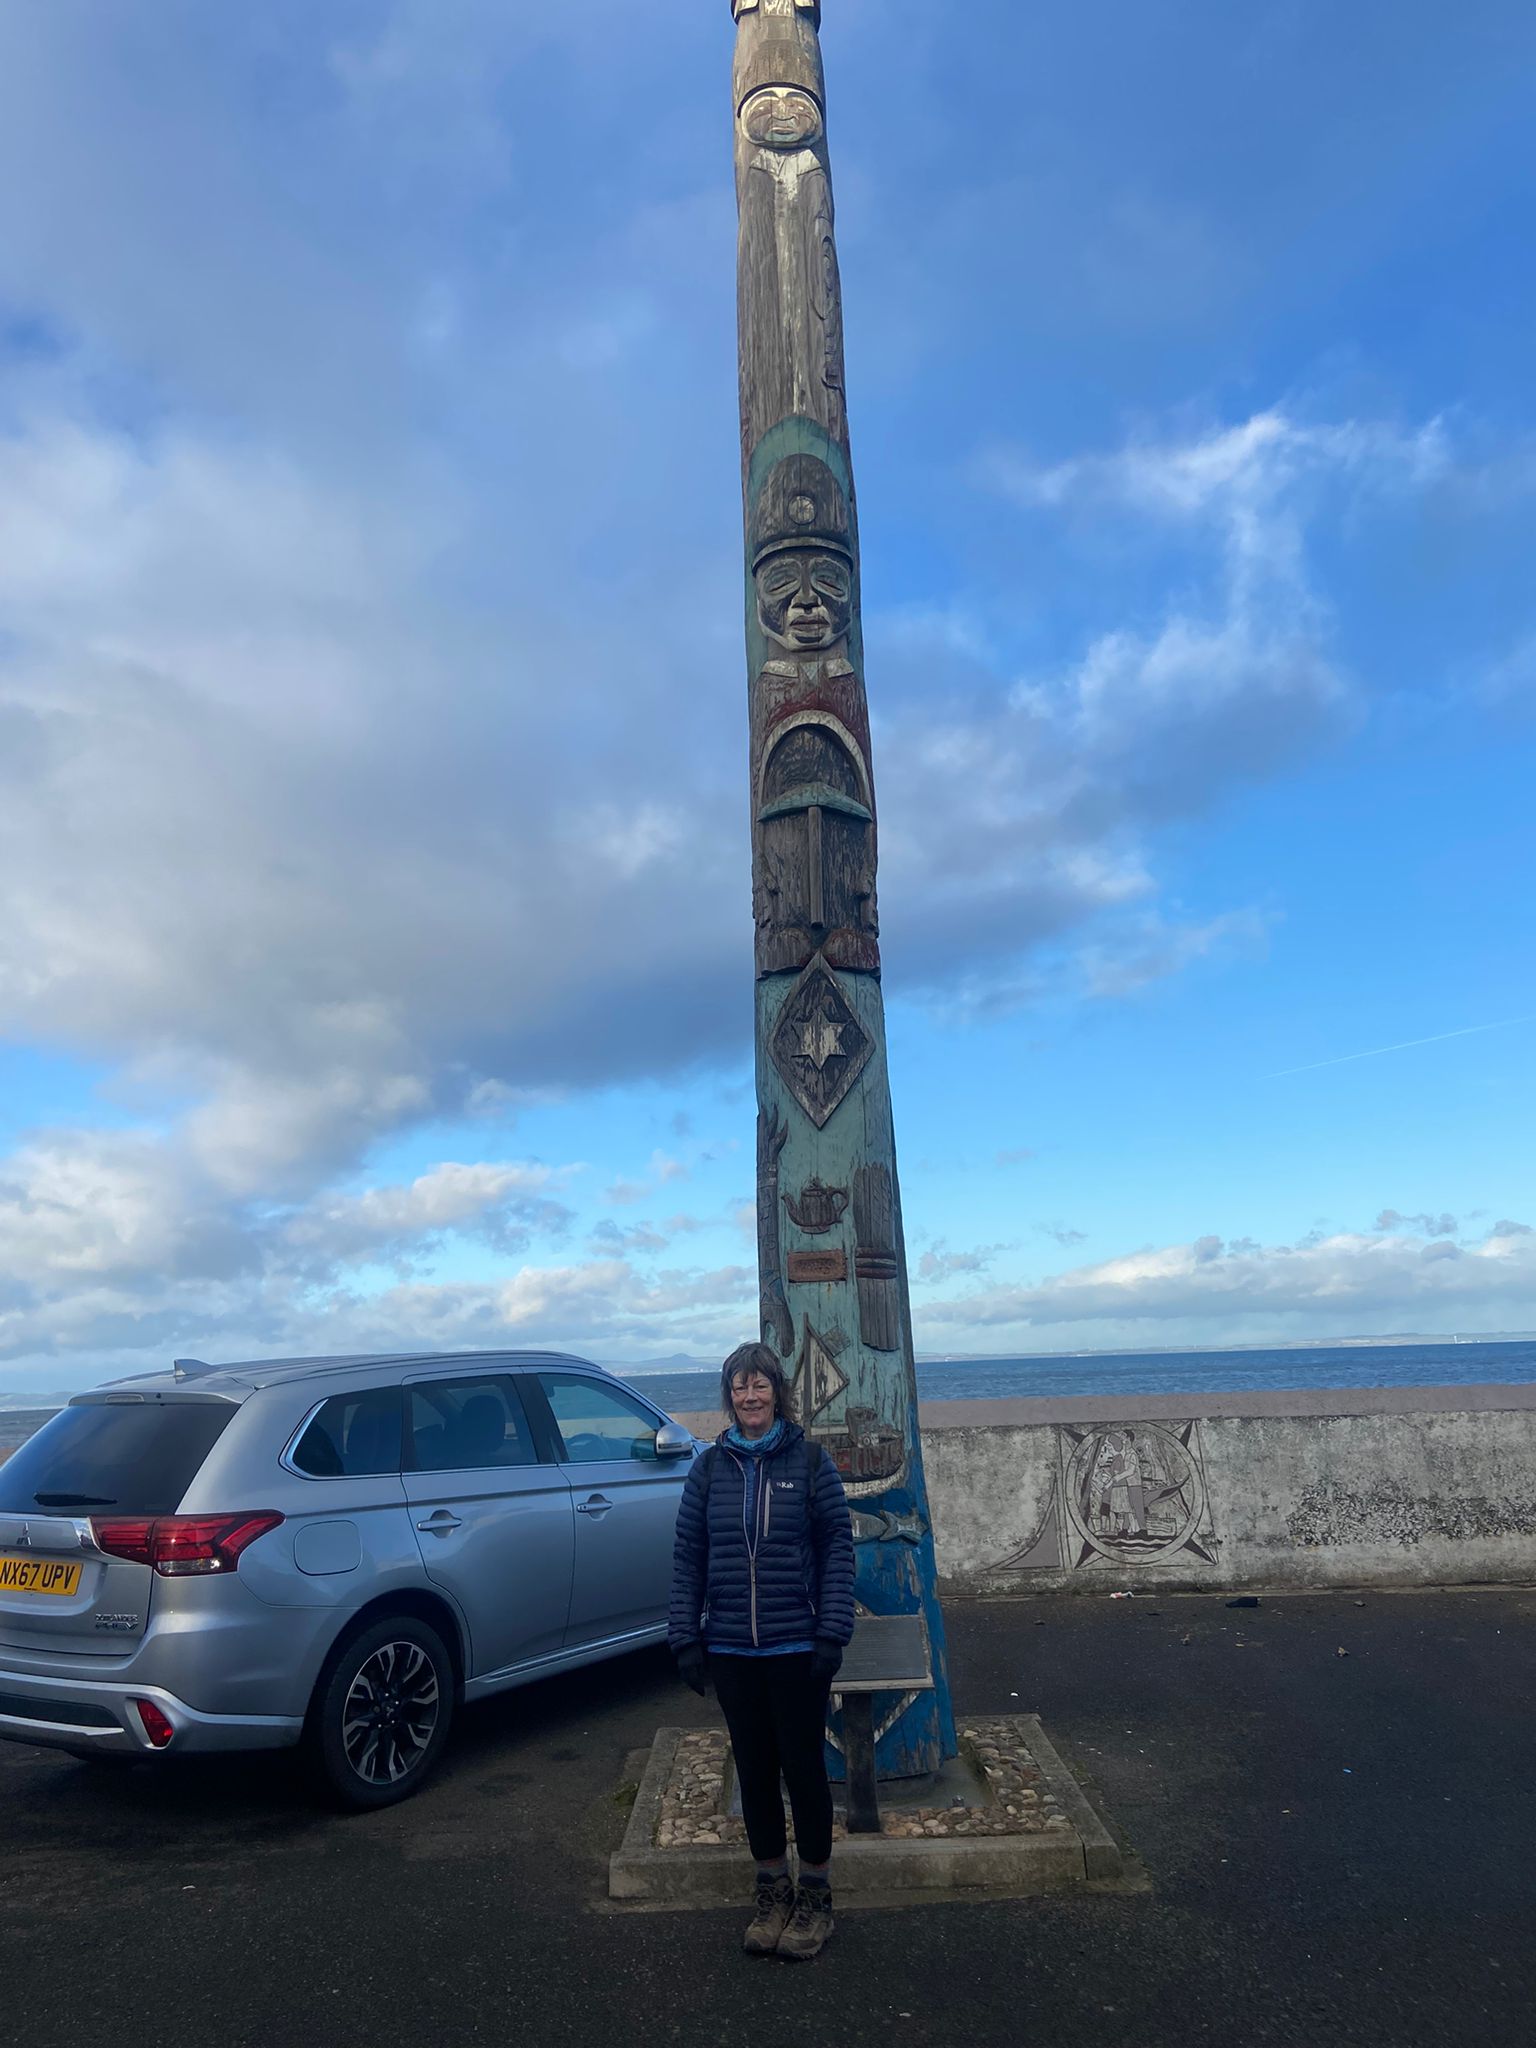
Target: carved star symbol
{"points": [[821, 1040]]}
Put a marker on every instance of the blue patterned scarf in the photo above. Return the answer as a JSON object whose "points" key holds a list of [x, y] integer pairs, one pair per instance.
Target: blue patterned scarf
{"points": [[756, 1447]]}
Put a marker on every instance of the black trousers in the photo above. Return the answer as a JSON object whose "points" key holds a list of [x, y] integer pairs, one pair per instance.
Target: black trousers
{"points": [[776, 1711]]}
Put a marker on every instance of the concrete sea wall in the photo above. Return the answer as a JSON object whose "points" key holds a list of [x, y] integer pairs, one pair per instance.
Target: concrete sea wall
{"points": [[1378, 1486], [1375, 1486]]}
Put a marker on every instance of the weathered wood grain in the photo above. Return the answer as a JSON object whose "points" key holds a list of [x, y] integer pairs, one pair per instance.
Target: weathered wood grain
{"points": [[829, 1207]]}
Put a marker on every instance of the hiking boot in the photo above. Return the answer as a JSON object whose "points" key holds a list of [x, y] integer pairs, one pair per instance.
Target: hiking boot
{"points": [[775, 1903], [810, 1925]]}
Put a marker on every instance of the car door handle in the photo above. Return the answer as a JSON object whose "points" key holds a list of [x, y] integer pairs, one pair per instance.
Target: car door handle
{"points": [[596, 1507], [441, 1524]]}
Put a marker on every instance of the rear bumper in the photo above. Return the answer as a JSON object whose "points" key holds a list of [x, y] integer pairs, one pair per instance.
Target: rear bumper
{"points": [[87, 1715]]}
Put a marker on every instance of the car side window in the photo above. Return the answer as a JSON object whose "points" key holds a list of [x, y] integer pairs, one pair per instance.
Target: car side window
{"points": [[469, 1426], [598, 1422], [354, 1436]]}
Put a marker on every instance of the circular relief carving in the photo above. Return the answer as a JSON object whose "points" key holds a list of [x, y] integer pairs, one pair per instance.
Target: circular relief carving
{"points": [[1134, 1495], [802, 510], [782, 117]]}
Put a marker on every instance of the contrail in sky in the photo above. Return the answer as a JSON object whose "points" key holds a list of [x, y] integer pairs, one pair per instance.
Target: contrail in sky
{"points": [[1439, 1038]]}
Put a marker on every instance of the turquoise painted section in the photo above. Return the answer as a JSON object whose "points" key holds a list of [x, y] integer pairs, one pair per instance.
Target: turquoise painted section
{"points": [[799, 436], [894, 1550]]}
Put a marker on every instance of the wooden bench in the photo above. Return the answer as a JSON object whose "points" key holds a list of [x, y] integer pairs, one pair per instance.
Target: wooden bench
{"points": [[889, 1653]]}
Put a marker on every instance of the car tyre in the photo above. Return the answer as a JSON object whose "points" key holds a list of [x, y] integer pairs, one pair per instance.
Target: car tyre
{"points": [[381, 1713]]}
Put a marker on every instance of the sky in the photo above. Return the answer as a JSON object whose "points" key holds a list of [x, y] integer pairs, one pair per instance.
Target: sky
{"points": [[375, 923]]}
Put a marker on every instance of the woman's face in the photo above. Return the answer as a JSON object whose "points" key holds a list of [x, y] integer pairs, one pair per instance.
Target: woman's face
{"points": [[752, 1398]]}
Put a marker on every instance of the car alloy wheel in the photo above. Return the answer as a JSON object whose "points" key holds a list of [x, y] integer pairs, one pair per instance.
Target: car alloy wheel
{"points": [[391, 1713], [381, 1713]]}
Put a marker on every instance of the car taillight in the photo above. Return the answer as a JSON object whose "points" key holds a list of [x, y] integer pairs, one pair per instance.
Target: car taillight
{"points": [[182, 1546], [156, 1726]]}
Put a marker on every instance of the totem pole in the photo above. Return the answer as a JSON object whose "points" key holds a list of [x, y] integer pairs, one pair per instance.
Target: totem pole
{"points": [[832, 1262]]}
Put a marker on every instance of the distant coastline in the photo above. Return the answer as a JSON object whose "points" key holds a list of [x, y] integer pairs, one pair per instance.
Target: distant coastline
{"points": [[686, 1385], [33, 1401], [1408, 1337]]}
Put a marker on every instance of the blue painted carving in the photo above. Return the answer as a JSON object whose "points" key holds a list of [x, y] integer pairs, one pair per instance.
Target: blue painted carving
{"points": [[833, 1260]]}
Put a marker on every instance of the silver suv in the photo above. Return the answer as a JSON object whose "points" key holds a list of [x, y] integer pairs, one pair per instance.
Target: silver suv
{"points": [[331, 1551]]}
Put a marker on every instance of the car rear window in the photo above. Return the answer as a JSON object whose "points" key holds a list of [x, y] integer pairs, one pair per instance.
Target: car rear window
{"points": [[136, 1457]]}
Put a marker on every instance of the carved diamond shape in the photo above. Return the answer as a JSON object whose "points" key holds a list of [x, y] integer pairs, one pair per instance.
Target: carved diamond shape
{"points": [[818, 1045]]}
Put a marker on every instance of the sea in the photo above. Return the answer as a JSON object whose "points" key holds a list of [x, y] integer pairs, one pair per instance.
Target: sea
{"points": [[1444, 1363], [1116, 1375]]}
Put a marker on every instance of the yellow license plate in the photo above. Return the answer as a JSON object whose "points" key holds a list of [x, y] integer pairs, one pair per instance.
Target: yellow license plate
{"points": [[43, 1576]]}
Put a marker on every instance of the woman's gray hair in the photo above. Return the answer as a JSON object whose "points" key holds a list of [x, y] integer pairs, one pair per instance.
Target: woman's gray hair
{"points": [[747, 1359]]}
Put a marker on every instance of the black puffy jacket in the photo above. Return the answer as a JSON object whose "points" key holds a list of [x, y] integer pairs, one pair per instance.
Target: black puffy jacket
{"points": [[783, 1576]]}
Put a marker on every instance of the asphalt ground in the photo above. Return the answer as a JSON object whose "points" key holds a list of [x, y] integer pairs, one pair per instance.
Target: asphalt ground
{"points": [[1335, 1850]]}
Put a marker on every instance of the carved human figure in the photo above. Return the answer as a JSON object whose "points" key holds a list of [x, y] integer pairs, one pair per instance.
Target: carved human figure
{"points": [[790, 295], [814, 867], [801, 540]]}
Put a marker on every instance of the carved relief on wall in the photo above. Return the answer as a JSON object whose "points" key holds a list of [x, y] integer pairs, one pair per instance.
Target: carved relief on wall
{"points": [[1127, 1494]]}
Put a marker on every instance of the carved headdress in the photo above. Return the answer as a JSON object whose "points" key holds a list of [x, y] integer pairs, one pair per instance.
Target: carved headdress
{"points": [[801, 505]]}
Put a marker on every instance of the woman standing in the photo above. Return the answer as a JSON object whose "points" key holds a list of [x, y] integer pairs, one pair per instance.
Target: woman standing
{"points": [[762, 1598]]}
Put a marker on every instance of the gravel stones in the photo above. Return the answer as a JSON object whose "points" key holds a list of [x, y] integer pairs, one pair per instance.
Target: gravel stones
{"points": [[1011, 1798]]}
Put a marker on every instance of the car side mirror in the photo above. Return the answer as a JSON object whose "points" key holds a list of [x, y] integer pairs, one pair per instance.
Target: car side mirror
{"points": [[673, 1441]]}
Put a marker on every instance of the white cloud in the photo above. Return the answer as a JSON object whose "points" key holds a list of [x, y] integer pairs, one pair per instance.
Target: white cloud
{"points": [[1234, 472], [502, 1205], [113, 1245], [1384, 1280]]}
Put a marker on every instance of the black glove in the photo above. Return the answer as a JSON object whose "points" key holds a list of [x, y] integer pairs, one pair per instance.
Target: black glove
{"points": [[826, 1658], [690, 1667]]}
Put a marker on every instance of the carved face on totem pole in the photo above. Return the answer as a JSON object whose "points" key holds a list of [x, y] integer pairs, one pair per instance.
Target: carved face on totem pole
{"points": [[782, 117], [814, 870], [802, 554], [805, 601]]}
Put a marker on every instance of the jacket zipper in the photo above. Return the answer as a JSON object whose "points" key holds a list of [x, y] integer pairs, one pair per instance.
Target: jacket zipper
{"points": [[764, 1513], [764, 1517], [746, 1537]]}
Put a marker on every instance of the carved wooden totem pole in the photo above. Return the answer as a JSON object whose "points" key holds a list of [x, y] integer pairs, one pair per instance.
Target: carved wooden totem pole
{"points": [[831, 1256]]}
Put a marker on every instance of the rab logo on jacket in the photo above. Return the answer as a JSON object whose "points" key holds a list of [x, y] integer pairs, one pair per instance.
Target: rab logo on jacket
{"points": [[785, 1486]]}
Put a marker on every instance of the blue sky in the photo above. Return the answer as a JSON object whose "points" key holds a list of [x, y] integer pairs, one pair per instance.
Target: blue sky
{"points": [[375, 944]]}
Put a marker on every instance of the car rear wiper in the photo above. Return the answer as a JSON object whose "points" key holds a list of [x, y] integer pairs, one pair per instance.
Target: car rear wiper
{"points": [[72, 1500]]}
